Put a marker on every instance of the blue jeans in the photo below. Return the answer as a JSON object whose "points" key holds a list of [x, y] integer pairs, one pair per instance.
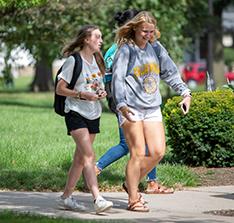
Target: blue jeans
{"points": [[117, 152]]}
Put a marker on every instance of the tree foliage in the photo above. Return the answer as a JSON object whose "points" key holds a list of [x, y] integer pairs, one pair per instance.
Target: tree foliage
{"points": [[14, 4], [44, 26], [53, 22], [45, 29]]}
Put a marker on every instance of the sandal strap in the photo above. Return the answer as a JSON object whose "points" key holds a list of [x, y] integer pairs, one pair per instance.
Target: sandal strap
{"points": [[125, 188], [137, 206], [133, 204], [140, 198]]}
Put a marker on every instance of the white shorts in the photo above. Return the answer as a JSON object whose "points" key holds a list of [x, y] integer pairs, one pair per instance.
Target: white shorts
{"points": [[142, 115]]}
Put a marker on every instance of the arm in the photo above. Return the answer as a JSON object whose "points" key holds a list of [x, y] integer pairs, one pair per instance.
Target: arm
{"points": [[62, 89], [64, 79], [170, 74], [120, 67]]}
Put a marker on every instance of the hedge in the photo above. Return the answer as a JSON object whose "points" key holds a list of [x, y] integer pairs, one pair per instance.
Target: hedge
{"points": [[205, 136]]}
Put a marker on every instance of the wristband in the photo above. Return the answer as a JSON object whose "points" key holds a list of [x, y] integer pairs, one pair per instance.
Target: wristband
{"points": [[189, 94], [78, 95]]}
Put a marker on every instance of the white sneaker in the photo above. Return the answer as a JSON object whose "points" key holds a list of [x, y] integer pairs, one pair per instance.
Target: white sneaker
{"points": [[102, 205], [70, 203]]}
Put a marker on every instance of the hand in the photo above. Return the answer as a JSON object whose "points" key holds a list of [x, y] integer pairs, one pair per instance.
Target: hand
{"points": [[126, 112], [101, 93], [185, 104], [89, 96]]}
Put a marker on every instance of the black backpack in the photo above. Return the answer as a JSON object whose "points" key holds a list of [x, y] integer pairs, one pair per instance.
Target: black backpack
{"points": [[108, 75], [59, 100]]}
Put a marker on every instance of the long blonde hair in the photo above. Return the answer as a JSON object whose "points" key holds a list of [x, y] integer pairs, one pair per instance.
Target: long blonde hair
{"points": [[126, 33], [78, 43]]}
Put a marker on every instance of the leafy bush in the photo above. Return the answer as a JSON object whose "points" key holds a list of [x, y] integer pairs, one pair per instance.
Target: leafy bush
{"points": [[205, 136]]}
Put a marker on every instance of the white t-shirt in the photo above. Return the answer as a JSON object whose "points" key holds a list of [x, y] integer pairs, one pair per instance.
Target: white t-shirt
{"points": [[90, 80]]}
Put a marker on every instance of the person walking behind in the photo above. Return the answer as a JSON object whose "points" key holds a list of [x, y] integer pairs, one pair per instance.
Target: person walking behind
{"points": [[118, 151], [83, 111], [137, 96]]}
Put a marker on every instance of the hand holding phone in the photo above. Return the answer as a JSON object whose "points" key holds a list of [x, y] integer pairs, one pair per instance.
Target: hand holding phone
{"points": [[101, 93], [185, 105], [183, 108]]}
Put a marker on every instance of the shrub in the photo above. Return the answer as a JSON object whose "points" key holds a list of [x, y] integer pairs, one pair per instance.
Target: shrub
{"points": [[205, 136]]}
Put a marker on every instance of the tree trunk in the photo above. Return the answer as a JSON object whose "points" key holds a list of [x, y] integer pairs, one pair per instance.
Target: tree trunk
{"points": [[215, 48], [210, 56], [218, 65], [43, 79]]}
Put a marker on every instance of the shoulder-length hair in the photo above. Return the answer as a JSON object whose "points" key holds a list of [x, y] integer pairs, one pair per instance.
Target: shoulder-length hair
{"points": [[126, 33]]}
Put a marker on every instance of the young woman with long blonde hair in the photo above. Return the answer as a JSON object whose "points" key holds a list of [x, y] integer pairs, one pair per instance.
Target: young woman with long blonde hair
{"points": [[138, 99]]}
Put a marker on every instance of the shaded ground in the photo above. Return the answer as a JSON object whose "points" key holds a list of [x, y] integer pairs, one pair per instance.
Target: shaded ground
{"points": [[228, 212], [207, 176], [215, 176]]}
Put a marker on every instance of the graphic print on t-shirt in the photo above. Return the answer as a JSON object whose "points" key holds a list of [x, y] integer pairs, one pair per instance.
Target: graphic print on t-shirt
{"points": [[93, 81]]}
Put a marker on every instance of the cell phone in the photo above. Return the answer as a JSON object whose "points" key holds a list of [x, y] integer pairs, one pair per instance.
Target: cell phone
{"points": [[98, 92], [183, 108]]}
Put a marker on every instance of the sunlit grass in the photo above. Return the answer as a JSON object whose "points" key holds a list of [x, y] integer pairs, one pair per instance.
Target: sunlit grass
{"points": [[13, 217], [36, 152]]}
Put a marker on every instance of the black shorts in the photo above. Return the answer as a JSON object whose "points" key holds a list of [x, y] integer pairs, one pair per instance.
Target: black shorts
{"points": [[75, 121]]}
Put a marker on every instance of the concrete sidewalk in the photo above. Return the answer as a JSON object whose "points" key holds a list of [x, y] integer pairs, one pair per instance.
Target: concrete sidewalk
{"points": [[182, 206]]}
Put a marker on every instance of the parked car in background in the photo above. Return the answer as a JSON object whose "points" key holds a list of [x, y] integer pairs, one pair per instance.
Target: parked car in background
{"points": [[230, 77], [194, 73]]}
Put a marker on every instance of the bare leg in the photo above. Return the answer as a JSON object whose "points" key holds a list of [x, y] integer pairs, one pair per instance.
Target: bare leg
{"points": [[83, 161], [155, 140], [139, 165], [135, 138]]}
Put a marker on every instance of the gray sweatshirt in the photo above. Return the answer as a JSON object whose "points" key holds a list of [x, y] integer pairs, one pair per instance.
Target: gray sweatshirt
{"points": [[137, 73]]}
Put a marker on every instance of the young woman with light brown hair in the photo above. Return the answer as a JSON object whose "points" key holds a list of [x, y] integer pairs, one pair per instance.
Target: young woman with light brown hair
{"points": [[82, 113]]}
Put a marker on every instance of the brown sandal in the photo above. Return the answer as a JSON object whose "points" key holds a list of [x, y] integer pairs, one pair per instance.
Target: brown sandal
{"points": [[138, 206], [141, 199], [156, 188]]}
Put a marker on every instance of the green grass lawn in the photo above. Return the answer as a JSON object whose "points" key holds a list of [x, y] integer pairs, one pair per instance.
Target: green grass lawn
{"points": [[13, 217], [36, 152]]}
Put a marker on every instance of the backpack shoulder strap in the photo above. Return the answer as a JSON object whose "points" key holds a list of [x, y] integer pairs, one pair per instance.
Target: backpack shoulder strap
{"points": [[77, 69], [157, 50], [132, 57]]}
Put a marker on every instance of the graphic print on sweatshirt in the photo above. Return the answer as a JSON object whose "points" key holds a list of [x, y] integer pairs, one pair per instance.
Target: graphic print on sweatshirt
{"points": [[147, 75]]}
